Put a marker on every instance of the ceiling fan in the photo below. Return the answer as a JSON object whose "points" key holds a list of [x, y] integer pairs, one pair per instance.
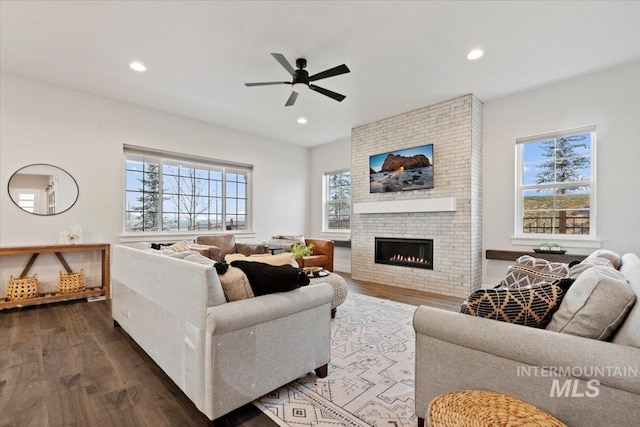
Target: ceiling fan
{"points": [[302, 81]]}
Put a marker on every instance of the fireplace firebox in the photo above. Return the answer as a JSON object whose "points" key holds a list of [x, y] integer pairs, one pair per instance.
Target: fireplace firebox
{"points": [[416, 253]]}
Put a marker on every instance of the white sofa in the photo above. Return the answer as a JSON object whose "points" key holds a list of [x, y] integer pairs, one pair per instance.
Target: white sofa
{"points": [[221, 354], [456, 352]]}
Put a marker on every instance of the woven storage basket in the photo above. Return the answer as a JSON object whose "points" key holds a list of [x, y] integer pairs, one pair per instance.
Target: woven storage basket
{"points": [[486, 409], [71, 282], [23, 288]]}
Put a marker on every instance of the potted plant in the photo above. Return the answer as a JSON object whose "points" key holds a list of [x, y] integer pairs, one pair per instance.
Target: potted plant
{"points": [[300, 250], [550, 247]]}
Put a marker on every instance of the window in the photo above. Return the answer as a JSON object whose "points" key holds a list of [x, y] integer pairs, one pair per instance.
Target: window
{"points": [[556, 184], [26, 200], [171, 192], [337, 201]]}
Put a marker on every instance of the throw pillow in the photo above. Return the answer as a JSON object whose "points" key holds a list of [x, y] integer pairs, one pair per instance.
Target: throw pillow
{"points": [[235, 285], [229, 258], [615, 259], [285, 258], [528, 271], [595, 305], [528, 306], [178, 255], [267, 279], [182, 246]]}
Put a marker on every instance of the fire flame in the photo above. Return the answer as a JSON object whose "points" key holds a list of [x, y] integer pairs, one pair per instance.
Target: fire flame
{"points": [[408, 259]]}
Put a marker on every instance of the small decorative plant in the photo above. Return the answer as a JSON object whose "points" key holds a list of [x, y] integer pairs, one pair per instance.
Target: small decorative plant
{"points": [[550, 247], [299, 250]]}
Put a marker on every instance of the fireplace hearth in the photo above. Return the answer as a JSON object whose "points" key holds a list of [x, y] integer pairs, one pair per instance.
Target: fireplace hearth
{"points": [[416, 253]]}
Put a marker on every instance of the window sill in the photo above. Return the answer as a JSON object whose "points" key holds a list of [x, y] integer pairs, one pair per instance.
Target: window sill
{"points": [[565, 242], [171, 236]]}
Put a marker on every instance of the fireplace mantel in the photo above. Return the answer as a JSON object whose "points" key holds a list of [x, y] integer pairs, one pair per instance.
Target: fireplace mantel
{"points": [[440, 204]]}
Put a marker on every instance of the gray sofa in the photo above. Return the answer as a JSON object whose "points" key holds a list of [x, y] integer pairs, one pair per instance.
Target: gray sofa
{"points": [[221, 354], [601, 379]]}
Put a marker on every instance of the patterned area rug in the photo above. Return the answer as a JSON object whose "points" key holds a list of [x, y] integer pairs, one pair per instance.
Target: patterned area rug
{"points": [[370, 381]]}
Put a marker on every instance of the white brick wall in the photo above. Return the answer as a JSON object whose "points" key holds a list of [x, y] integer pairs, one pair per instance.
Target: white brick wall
{"points": [[454, 128]]}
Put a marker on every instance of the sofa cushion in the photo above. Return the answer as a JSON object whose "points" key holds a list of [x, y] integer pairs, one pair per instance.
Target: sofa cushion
{"points": [[610, 256], [529, 271], [595, 305], [577, 269], [629, 332], [286, 258], [199, 259], [267, 279], [298, 238], [528, 306], [235, 285], [315, 260]]}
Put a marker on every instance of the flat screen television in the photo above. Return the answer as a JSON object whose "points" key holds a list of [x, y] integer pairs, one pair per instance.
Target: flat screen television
{"points": [[401, 170]]}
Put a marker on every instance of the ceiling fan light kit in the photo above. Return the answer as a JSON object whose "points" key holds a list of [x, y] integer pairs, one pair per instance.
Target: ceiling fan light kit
{"points": [[301, 81]]}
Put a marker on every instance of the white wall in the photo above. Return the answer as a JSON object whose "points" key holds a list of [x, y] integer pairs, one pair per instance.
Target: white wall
{"points": [[84, 134], [326, 158], [610, 100]]}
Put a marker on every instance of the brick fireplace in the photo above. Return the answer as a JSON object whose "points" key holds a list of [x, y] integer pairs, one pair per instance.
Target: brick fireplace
{"points": [[449, 214]]}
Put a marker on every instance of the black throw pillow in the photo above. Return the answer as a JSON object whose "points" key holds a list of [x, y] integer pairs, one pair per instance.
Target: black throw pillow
{"points": [[528, 306], [221, 267], [268, 279]]}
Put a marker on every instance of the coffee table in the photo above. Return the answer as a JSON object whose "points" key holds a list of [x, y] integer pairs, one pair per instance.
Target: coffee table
{"points": [[340, 289]]}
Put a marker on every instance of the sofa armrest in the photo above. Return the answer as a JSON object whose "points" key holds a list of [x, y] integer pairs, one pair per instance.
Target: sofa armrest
{"points": [[530, 346], [250, 248], [201, 249], [210, 251], [240, 314], [323, 247]]}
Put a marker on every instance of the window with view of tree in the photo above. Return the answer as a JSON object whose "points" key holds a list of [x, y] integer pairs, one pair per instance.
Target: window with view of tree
{"points": [[182, 194], [556, 184], [337, 200]]}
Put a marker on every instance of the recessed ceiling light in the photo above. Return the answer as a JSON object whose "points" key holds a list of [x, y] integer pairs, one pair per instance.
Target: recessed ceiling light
{"points": [[302, 120], [138, 66], [475, 54]]}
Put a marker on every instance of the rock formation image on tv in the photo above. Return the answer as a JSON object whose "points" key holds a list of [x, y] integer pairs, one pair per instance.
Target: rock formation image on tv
{"points": [[402, 170]]}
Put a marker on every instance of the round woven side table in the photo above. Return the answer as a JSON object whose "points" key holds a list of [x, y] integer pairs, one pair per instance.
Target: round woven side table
{"points": [[486, 409]]}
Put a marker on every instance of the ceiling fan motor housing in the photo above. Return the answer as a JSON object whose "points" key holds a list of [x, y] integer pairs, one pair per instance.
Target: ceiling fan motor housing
{"points": [[301, 77]]}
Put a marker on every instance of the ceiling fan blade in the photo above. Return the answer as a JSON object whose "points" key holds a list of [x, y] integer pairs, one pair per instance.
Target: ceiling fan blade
{"points": [[327, 92], [335, 71], [267, 84], [292, 99], [283, 61]]}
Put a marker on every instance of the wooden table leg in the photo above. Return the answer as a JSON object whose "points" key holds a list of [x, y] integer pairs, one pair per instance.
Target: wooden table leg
{"points": [[63, 262], [29, 264], [106, 273]]}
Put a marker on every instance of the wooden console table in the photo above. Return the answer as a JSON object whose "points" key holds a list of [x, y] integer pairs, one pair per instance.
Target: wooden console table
{"points": [[58, 250], [513, 255]]}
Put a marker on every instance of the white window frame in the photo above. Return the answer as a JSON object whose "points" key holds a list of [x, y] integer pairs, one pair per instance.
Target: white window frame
{"points": [[575, 240], [224, 166], [325, 203]]}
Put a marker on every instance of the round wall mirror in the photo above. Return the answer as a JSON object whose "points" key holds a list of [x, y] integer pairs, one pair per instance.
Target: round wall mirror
{"points": [[43, 189]]}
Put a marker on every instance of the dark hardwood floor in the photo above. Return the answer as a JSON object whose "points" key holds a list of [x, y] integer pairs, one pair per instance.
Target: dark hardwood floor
{"points": [[65, 364]]}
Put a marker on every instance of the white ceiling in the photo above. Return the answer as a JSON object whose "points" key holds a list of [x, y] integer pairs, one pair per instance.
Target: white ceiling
{"points": [[402, 55]]}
